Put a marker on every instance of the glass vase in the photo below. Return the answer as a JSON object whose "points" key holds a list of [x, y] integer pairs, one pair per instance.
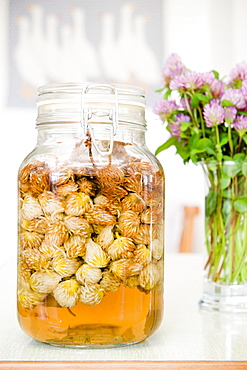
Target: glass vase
{"points": [[225, 270]]}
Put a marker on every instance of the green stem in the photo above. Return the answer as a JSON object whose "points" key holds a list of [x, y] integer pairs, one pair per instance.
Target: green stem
{"points": [[190, 111], [219, 154], [229, 131], [202, 122], [242, 252]]}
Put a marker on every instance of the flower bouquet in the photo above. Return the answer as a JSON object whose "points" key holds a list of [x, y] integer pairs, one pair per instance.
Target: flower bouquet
{"points": [[207, 121]]}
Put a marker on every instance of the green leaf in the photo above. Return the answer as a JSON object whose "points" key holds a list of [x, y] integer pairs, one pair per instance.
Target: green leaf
{"points": [[193, 141], [185, 125], [245, 138], [225, 182], [210, 151], [194, 101], [167, 94], [227, 212], [204, 144], [160, 90], [166, 145], [231, 169], [183, 151], [223, 139], [244, 169], [227, 208], [195, 130], [226, 103], [240, 204], [239, 157], [210, 203], [216, 74], [226, 158], [243, 113], [202, 97]]}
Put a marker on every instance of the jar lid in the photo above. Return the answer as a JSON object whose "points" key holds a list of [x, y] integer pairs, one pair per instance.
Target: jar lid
{"points": [[69, 102], [88, 104]]}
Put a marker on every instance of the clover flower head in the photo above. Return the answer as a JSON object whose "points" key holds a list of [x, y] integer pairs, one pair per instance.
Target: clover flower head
{"points": [[175, 125], [173, 67], [207, 78], [240, 123], [230, 114], [235, 96], [244, 89], [239, 72], [213, 113], [188, 81], [165, 108], [217, 88]]}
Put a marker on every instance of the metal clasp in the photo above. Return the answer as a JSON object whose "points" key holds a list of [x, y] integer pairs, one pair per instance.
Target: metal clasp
{"points": [[88, 112]]}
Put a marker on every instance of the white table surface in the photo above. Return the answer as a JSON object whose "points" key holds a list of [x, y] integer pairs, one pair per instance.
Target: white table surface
{"points": [[186, 334]]}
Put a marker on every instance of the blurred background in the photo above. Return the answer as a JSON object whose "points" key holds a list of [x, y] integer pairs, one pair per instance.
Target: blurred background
{"points": [[125, 41]]}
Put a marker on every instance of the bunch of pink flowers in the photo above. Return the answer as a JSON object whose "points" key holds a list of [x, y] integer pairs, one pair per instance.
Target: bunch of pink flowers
{"points": [[206, 117]]}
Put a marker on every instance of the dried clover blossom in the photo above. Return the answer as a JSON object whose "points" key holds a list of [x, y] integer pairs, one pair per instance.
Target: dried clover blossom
{"points": [[39, 181], [109, 283], [110, 176], [156, 247], [51, 251], [50, 203], [44, 282], [128, 223], [75, 246], [142, 255], [91, 294], [67, 293], [122, 247], [151, 215], [143, 234], [88, 186], [31, 207], [124, 268], [95, 256], [65, 266], [100, 216], [87, 274], [66, 189], [149, 276], [30, 239], [133, 183], [114, 192], [133, 202], [112, 206], [132, 281], [78, 226], [61, 175], [152, 198], [77, 204], [33, 259], [139, 166], [105, 237], [38, 225], [29, 299], [56, 234]]}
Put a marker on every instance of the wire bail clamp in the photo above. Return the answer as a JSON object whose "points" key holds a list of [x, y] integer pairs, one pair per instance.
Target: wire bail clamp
{"points": [[87, 113]]}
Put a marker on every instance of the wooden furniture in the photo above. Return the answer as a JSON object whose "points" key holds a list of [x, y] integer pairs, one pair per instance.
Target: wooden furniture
{"points": [[187, 339], [188, 229]]}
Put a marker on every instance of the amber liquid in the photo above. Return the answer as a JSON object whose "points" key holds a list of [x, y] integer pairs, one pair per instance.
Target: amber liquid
{"points": [[123, 317]]}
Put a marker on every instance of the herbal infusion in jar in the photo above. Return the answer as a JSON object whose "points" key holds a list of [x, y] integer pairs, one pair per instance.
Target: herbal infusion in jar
{"points": [[90, 257]]}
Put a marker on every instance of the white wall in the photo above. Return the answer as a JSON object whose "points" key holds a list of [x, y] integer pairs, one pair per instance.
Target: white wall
{"points": [[207, 34]]}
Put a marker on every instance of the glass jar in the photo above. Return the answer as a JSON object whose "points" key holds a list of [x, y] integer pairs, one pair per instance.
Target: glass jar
{"points": [[91, 232]]}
